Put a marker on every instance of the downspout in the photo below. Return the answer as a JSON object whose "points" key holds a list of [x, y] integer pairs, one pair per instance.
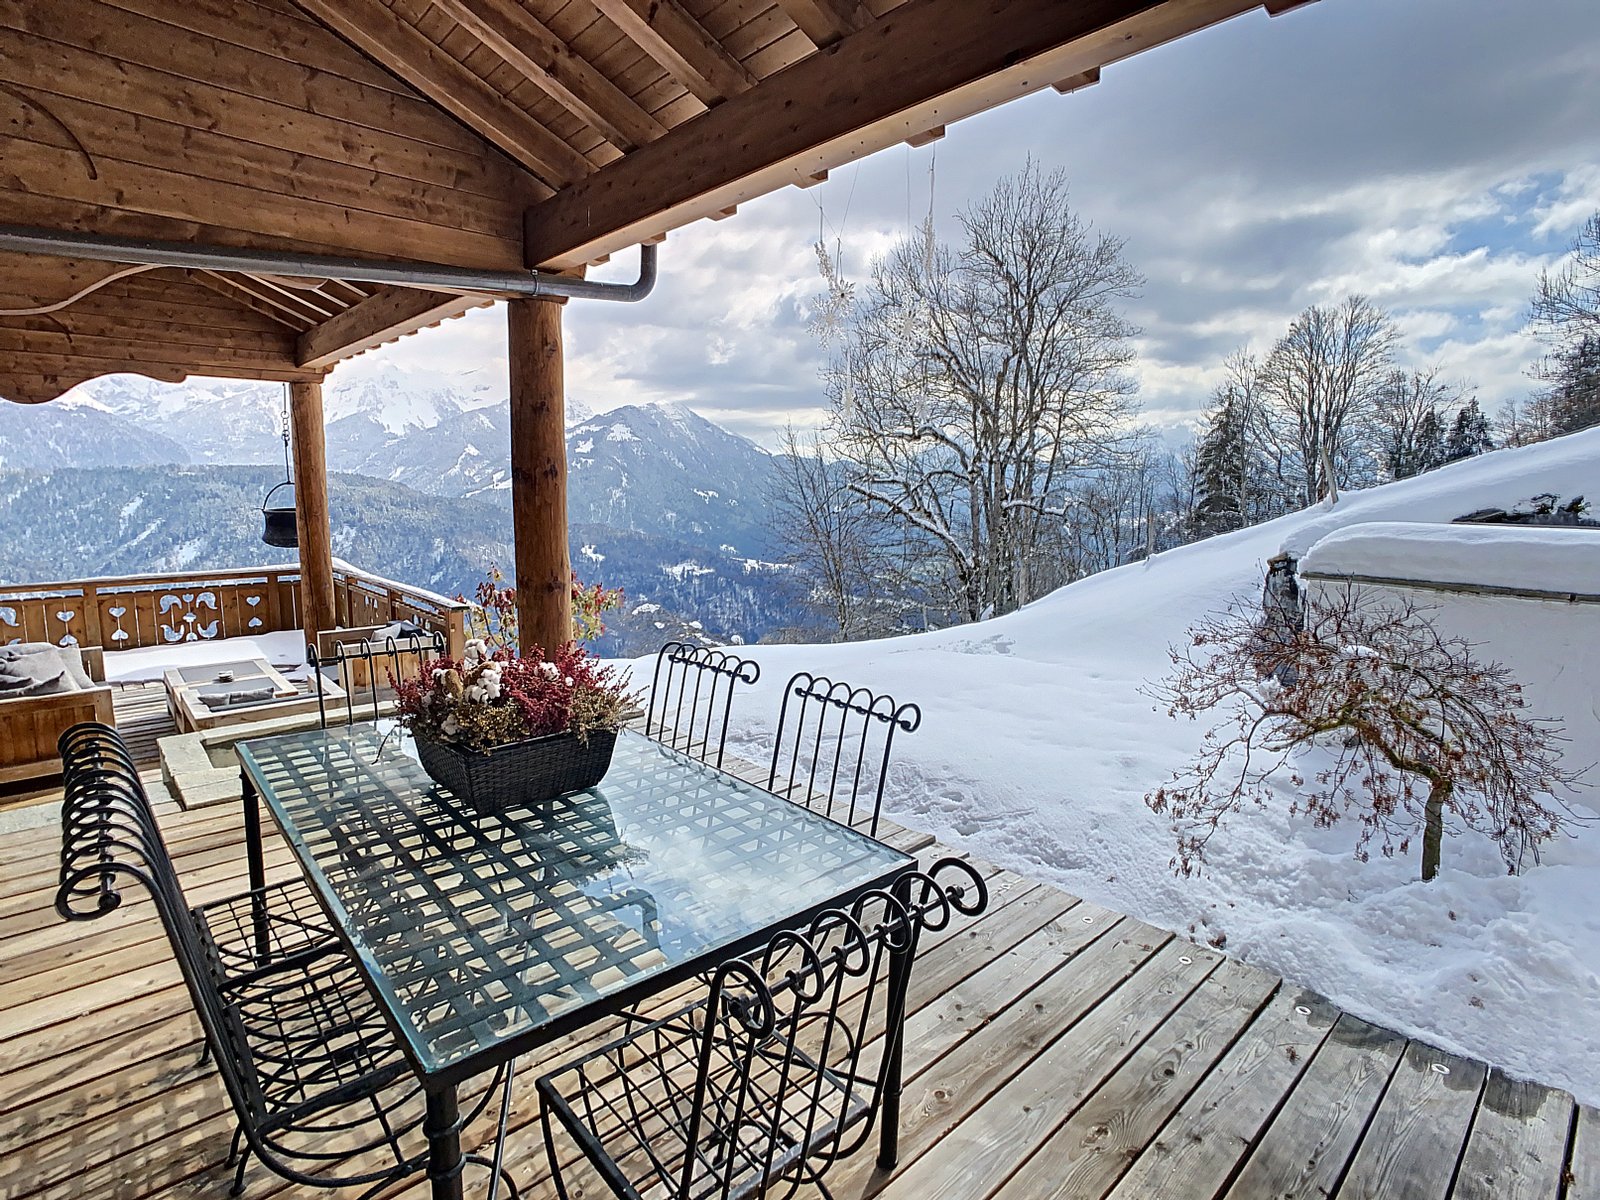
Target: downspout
{"points": [[24, 239]]}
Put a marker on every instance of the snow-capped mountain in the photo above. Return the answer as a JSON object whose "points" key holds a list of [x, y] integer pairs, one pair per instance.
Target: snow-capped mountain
{"points": [[662, 502], [367, 407]]}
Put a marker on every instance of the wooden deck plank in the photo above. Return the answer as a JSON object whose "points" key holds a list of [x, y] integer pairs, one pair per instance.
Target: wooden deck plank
{"points": [[953, 1078], [1413, 1144], [1583, 1167], [1309, 1143], [1055, 1048], [1518, 1146], [1023, 1115], [1197, 1151], [1084, 1157]]}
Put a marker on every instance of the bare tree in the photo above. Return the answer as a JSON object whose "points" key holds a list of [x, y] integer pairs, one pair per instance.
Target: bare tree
{"points": [[972, 384], [1566, 304], [1418, 731], [1411, 411], [831, 538], [1324, 377]]}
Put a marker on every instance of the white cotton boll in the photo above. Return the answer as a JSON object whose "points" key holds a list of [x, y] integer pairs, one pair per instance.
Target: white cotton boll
{"points": [[450, 726], [549, 670], [569, 680]]}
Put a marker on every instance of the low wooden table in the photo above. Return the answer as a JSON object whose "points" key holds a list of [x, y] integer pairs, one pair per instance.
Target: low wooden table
{"points": [[186, 685]]}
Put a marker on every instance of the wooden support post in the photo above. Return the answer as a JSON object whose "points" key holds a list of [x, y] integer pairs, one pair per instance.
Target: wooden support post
{"points": [[539, 475], [311, 509]]}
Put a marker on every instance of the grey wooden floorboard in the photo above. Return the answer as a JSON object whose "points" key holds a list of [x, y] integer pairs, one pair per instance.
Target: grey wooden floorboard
{"points": [[1413, 1144], [1310, 1141]]}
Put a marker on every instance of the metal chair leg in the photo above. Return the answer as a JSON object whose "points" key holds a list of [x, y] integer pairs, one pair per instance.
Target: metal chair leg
{"points": [[238, 1174], [550, 1151]]}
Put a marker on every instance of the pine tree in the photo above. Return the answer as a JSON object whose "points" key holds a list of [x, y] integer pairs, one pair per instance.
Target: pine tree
{"points": [[1575, 394], [1430, 448], [1222, 469], [1469, 435]]}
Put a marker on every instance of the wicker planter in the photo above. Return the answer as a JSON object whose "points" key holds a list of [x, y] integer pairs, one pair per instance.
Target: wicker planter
{"points": [[519, 773]]}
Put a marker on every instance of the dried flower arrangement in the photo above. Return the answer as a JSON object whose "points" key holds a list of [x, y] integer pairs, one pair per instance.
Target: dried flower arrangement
{"points": [[491, 698]]}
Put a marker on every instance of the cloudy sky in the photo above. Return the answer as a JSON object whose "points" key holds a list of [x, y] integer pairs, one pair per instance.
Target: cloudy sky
{"points": [[1434, 154]]}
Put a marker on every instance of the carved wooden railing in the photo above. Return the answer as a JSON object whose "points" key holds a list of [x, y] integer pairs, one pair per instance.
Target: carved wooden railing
{"points": [[127, 612]]}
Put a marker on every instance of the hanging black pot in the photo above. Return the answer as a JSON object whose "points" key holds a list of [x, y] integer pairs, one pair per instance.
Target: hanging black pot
{"points": [[278, 527]]}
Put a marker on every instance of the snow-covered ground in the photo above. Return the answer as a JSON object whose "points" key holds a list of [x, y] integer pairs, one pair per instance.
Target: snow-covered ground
{"points": [[1037, 748], [285, 650]]}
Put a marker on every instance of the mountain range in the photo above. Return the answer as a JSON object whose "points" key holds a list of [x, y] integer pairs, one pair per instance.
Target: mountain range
{"points": [[661, 502]]}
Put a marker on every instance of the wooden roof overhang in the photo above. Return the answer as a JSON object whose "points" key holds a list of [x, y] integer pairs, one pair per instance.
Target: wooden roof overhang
{"points": [[485, 134]]}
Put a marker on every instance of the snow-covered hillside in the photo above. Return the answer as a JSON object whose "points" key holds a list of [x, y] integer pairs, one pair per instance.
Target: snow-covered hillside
{"points": [[1037, 747]]}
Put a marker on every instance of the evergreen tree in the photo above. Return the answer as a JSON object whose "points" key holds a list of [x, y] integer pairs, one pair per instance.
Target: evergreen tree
{"points": [[1430, 448], [1222, 468], [1575, 394], [1469, 435], [1410, 426]]}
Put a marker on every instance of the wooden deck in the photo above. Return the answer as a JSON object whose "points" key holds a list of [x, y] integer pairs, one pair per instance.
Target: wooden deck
{"points": [[1055, 1049]]}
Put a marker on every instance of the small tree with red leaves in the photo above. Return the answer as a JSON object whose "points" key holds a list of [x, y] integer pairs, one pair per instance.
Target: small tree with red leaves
{"points": [[1419, 732]]}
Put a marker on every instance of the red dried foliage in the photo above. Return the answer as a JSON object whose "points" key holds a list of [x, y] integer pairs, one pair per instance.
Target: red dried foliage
{"points": [[1422, 734], [450, 701]]}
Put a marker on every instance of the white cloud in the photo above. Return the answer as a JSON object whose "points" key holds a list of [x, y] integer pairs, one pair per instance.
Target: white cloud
{"points": [[1253, 169]]}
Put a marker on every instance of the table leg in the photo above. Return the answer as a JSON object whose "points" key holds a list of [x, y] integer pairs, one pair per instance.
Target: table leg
{"points": [[443, 1127], [894, 1047], [258, 865]]}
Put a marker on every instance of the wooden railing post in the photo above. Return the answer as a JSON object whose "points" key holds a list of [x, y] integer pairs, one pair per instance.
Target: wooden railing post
{"points": [[93, 635]]}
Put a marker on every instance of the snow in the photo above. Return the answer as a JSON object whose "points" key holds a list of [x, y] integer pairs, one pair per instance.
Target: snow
{"points": [[592, 554], [686, 569], [1549, 558], [621, 433], [584, 447], [645, 608], [1037, 747], [285, 650]]}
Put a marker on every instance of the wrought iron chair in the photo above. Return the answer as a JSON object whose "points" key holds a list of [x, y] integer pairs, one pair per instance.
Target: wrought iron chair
{"points": [[833, 746], [321, 1090], [691, 698], [783, 1068], [364, 665]]}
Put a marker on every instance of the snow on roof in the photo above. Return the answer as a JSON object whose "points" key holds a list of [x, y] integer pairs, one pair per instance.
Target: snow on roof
{"points": [[1540, 557], [1568, 466]]}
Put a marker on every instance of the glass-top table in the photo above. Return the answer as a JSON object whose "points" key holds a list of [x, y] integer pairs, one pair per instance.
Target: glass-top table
{"points": [[485, 936]]}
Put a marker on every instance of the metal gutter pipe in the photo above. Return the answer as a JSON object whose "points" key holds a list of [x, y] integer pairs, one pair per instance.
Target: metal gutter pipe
{"points": [[23, 239]]}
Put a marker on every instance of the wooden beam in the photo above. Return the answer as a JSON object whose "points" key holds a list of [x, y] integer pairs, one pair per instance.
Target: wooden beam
{"points": [[927, 63], [234, 289], [311, 509], [668, 33], [1076, 82], [398, 45], [539, 476], [549, 64], [391, 313], [826, 21], [926, 138]]}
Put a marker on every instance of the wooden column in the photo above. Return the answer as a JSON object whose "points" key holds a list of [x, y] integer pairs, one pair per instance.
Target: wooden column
{"points": [[539, 475], [311, 509]]}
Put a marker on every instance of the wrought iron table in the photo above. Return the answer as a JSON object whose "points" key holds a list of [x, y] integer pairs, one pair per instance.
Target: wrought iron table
{"points": [[484, 937]]}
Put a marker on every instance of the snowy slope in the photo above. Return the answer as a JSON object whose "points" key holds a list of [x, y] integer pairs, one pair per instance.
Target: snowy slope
{"points": [[1037, 747]]}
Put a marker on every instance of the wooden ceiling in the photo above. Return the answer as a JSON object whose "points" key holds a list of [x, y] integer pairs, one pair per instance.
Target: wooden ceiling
{"points": [[489, 134]]}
